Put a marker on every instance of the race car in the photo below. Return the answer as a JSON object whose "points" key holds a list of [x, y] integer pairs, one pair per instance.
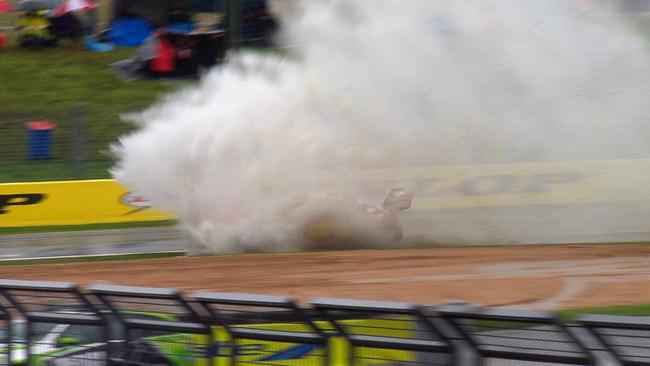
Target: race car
{"points": [[335, 221], [312, 221]]}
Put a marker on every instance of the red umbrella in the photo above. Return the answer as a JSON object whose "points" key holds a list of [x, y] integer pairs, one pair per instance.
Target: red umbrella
{"points": [[73, 6], [4, 6]]}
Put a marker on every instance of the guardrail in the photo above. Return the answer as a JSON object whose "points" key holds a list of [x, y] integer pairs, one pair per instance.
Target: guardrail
{"points": [[156, 325], [279, 330], [517, 335], [625, 337], [51, 309], [59, 323], [386, 332]]}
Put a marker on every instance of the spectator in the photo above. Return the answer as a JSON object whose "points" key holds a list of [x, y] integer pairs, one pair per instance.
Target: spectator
{"points": [[163, 62], [33, 30]]}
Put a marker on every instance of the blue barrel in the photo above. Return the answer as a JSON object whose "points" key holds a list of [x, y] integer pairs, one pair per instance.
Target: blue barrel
{"points": [[39, 139]]}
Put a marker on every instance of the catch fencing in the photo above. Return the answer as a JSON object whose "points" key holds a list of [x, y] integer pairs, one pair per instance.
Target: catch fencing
{"points": [[59, 323], [78, 145]]}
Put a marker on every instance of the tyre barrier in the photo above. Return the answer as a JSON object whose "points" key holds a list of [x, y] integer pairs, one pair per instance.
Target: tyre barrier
{"points": [[60, 323]]}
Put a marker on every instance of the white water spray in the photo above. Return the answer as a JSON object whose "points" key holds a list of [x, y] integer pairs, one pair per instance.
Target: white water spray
{"points": [[390, 84]]}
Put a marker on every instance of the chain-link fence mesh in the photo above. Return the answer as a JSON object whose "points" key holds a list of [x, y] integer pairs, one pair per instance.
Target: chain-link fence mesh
{"points": [[76, 147], [166, 347], [55, 343], [159, 327], [631, 345], [5, 337], [628, 338], [519, 337], [264, 330], [386, 333], [53, 323], [56, 323]]}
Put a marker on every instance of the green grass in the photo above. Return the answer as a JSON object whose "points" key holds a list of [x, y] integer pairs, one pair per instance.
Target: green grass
{"points": [[568, 316], [50, 229], [104, 258], [62, 77], [629, 310], [46, 85]]}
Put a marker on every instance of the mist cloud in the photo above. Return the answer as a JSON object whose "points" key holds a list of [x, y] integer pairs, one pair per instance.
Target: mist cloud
{"points": [[389, 84]]}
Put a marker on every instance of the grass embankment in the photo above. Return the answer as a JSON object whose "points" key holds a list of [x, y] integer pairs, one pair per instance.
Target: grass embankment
{"points": [[629, 310], [567, 316], [47, 85]]}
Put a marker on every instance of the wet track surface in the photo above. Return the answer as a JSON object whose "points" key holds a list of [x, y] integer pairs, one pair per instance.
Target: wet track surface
{"points": [[100, 242]]}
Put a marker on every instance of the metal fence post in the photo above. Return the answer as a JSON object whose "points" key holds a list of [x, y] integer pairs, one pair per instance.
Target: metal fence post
{"points": [[78, 140], [6, 317], [233, 22]]}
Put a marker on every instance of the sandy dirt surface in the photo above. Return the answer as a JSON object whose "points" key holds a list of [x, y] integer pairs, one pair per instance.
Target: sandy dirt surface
{"points": [[533, 277]]}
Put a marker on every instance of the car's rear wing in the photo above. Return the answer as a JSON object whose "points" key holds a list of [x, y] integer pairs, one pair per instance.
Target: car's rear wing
{"points": [[397, 200]]}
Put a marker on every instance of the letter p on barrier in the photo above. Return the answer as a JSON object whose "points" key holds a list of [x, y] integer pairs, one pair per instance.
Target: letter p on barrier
{"points": [[23, 199]]}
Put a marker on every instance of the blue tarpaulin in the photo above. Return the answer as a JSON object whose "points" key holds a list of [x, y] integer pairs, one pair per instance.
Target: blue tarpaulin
{"points": [[129, 32]]}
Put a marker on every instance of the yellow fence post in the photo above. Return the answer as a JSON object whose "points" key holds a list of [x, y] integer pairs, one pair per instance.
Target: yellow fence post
{"points": [[339, 351], [223, 355]]}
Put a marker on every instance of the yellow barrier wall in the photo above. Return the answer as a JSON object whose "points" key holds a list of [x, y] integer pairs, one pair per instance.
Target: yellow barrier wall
{"points": [[104, 201], [518, 184], [72, 203]]}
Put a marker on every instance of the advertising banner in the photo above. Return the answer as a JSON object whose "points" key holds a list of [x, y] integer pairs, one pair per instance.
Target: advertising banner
{"points": [[511, 185], [433, 188], [72, 203]]}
